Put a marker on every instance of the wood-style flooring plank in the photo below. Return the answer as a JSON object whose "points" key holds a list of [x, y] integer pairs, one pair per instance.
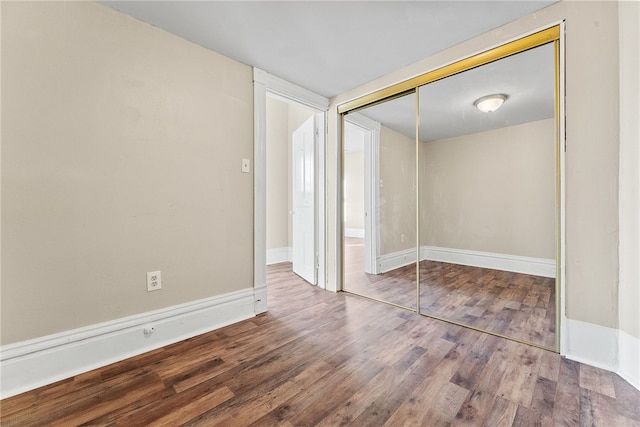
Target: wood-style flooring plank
{"points": [[598, 380], [326, 359], [502, 413]]}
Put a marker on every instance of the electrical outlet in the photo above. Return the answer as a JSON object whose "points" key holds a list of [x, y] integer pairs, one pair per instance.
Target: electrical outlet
{"points": [[402, 238], [154, 281]]}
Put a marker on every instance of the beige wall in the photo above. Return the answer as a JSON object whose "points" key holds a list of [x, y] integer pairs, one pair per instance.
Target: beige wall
{"points": [[592, 163], [492, 191], [397, 193], [278, 185], [592, 144], [121, 151], [354, 190], [629, 293]]}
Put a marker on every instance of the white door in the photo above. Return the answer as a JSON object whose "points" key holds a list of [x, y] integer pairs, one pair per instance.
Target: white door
{"points": [[303, 200]]}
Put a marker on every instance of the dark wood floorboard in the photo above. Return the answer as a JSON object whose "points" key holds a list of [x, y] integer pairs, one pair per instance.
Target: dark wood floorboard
{"points": [[519, 306], [325, 359]]}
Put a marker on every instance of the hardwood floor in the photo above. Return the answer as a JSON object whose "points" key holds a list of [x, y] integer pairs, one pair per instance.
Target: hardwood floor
{"points": [[319, 358], [519, 306]]}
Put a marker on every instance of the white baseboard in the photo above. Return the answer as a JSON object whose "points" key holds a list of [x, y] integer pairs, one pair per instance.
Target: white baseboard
{"points": [[34, 363], [518, 264], [277, 255], [592, 344], [354, 232], [629, 359], [395, 260], [260, 296], [606, 348]]}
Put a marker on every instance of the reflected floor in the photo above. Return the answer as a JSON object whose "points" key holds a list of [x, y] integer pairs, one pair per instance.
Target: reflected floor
{"points": [[519, 306], [397, 286]]}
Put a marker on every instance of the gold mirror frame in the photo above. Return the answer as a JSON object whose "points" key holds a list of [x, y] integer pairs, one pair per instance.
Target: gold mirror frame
{"points": [[549, 35]]}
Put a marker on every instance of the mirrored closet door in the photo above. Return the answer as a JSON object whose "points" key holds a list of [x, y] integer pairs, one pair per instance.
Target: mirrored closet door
{"points": [[460, 220]]}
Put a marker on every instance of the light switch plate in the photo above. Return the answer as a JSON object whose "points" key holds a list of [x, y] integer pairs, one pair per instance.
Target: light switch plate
{"points": [[246, 168]]}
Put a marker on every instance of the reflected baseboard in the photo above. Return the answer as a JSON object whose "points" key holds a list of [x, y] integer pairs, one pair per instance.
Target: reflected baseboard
{"points": [[395, 260], [518, 264]]}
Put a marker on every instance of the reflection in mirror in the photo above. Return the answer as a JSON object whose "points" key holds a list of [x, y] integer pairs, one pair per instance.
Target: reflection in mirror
{"points": [[379, 188], [487, 184]]}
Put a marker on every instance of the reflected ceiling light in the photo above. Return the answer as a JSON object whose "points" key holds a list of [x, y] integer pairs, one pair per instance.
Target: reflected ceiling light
{"points": [[490, 103]]}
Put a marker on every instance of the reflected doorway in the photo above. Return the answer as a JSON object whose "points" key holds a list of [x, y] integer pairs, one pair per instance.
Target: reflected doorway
{"points": [[379, 200]]}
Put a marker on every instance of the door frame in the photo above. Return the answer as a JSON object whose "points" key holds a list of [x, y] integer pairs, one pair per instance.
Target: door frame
{"points": [[264, 82]]}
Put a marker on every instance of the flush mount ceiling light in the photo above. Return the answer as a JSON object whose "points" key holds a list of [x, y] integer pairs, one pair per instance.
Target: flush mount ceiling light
{"points": [[490, 103]]}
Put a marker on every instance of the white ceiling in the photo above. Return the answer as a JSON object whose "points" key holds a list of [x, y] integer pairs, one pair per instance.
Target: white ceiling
{"points": [[328, 47]]}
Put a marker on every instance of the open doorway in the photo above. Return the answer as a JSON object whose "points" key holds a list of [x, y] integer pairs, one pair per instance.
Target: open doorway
{"points": [[266, 85], [292, 132]]}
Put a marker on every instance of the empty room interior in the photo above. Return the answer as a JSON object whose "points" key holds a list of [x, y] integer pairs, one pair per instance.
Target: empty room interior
{"points": [[320, 213]]}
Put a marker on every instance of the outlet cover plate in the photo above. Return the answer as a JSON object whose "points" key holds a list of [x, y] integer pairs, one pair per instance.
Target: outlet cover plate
{"points": [[154, 281]]}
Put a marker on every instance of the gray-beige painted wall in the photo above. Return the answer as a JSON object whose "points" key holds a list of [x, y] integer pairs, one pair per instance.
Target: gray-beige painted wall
{"points": [[592, 160], [121, 154], [278, 185]]}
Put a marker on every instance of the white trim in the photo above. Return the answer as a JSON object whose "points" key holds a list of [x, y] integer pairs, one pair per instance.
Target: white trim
{"points": [[395, 260], [34, 363], [518, 264], [263, 83], [629, 359], [338, 214], [277, 255], [592, 344], [321, 197], [354, 232], [259, 181], [290, 91], [605, 348], [260, 299], [561, 278]]}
